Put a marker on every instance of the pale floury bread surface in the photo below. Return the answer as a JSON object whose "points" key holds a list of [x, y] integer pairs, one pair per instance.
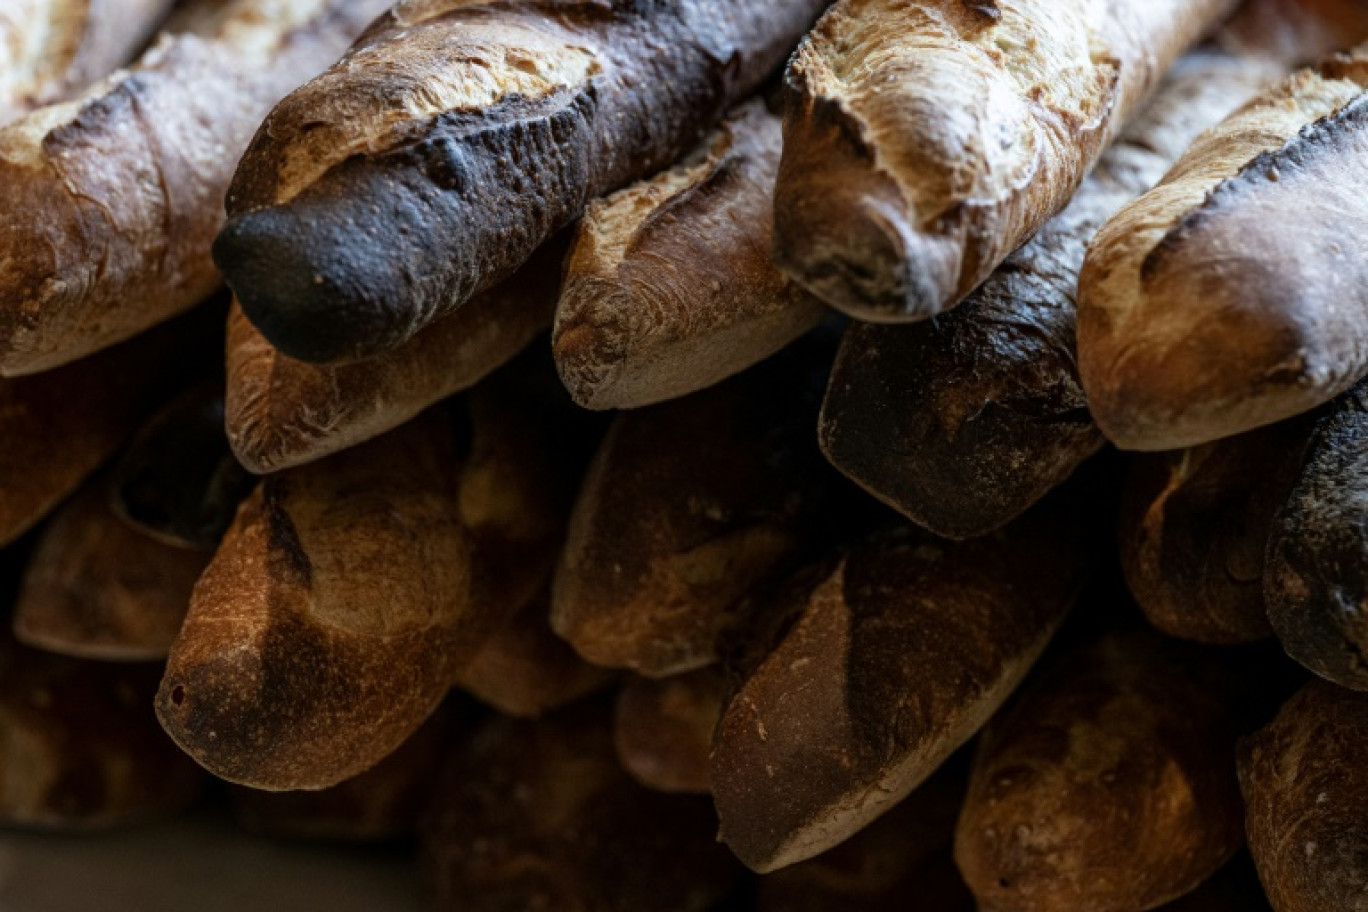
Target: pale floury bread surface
{"points": [[1230, 296], [925, 141]]}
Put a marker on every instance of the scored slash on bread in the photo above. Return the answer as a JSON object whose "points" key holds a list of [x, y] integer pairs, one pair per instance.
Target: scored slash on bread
{"points": [[458, 136], [113, 199], [925, 141]]}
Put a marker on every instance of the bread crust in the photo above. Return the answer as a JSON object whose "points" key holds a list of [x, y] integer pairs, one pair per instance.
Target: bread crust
{"points": [[662, 729], [1305, 801], [115, 197], [1314, 579], [352, 226], [901, 650], [1196, 320], [963, 422], [925, 141], [1107, 785], [670, 287], [282, 412]]}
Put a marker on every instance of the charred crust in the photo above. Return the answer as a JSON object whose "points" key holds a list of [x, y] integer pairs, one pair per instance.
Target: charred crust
{"points": [[289, 556]]}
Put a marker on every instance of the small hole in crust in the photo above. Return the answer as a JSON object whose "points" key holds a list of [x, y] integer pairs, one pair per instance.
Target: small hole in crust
{"points": [[178, 695]]}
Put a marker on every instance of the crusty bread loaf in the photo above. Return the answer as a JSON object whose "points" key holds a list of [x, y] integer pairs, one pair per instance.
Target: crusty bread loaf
{"points": [[352, 225], [1222, 300], [670, 287], [60, 426], [51, 49], [97, 588], [177, 481], [282, 412], [663, 729], [1295, 32], [1316, 572], [688, 507], [1307, 802], [924, 141], [963, 422], [1107, 785], [538, 815], [1194, 525], [112, 200], [890, 657]]}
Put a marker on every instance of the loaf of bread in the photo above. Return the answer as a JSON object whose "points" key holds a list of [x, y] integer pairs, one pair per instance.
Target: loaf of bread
{"points": [[525, 670], [97, 588], [1307, 802], [890, 657], [113, 199], [924, 141], [1223, 299], [52, 49], [1295, 32], [663, 728], [60, 426], [1316, 574], [177, 481], [282, 412], [963, 422], [456, 137], [1194, 526], [689, 507], [538, 815], [1107, 785], [670, 287]]}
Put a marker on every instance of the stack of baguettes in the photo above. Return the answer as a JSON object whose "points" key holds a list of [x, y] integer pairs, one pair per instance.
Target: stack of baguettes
{"points": [[873, 284]]}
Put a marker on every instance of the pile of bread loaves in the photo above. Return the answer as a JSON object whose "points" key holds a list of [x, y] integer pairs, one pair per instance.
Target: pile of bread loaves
{"points": [[871, 284]]}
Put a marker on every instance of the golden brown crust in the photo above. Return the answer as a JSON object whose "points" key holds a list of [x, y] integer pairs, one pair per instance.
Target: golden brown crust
{"points": [[925, 141], [282, 412], [663, 729], [1108, 785], [540, 816], [901, 650], [113, 199], [1196, 319], [670, 287], [961, 423], [461, 135], [1307, 801], [96, 588]]}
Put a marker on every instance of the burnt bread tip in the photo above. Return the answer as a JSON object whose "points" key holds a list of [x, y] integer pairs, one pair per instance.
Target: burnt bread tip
{"points": [[670, 287], [350, 228], [115, 197], [1195, 524], [1314, 580], [963, 422], [1108, 783], [902, 648], [897, 196], [1305, 801], [1223, 300], [282, 412]]}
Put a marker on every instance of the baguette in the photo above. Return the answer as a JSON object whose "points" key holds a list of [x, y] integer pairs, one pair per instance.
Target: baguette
{"points": [[901, 649], [1107, 785], [456, 137], [176, 481], [689, 507], [963, 422], [1220, 301], [1307, 802], [1194, 526], [925, 141], [52, 49], [540, 816], [1295, 32], [114, 198], [669, 287], [663, 729], [1314, 579], [283, 413], [97, 589]]}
